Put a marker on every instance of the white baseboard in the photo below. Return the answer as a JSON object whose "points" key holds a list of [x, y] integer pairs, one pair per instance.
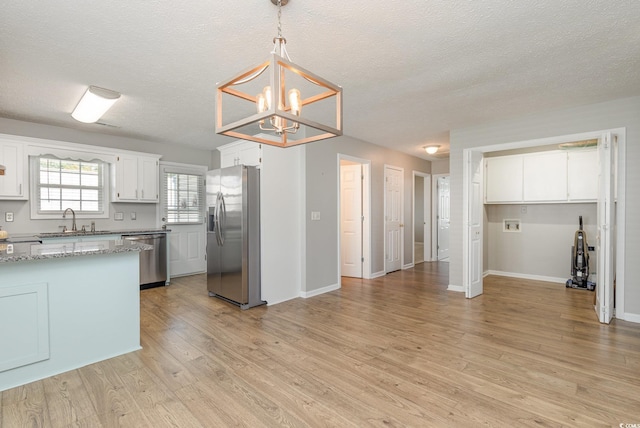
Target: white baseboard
{"points": [[377, 274], [458, 288], [527, 276], [408, 266], [630, 317], [275, 302], [328, 288]]}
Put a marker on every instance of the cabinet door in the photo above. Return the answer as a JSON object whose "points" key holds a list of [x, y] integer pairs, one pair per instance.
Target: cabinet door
{"points": [[583, 175], [228, 156], [12, 183], [545, 177], [250, 153], [126, 178], [503, 179], [148, 179]]}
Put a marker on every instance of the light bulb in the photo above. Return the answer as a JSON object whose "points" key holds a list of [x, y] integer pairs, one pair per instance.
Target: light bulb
{"points": [[294, 101], [261, 103], [268, 96]]}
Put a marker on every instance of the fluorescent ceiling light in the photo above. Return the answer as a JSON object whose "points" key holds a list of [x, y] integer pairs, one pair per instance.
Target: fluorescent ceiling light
{"points": [[94, 103], [431, 149]]}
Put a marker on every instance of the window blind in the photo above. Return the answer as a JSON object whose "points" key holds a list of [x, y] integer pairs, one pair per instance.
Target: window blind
{"points": [[183, 196]]}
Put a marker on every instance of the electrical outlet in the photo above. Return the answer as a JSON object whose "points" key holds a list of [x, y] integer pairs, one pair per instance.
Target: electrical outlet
{"points": [[118, 216], [133, 215], [8, 216], [315, 215]]}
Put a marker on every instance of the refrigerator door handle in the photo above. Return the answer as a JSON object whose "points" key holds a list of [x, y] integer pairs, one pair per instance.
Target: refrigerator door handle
{"points": [[216, 219], [222, 217]]}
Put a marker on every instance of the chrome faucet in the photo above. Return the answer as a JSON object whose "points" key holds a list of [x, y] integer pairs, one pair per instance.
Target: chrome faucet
{"points": [[73, 224]]}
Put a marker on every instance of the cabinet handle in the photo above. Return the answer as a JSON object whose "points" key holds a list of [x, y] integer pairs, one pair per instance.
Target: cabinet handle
{"points": [[142, 194], [20, 191]]}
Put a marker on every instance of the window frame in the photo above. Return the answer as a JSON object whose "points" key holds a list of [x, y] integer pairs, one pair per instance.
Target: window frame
{"points": [[34, 187], [201, 198]]}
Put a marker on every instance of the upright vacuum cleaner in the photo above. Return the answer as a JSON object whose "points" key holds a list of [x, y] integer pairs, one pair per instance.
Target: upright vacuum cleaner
{"points": [[580, 262]]}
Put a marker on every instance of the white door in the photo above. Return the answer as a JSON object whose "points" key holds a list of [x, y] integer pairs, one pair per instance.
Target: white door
{"points": [[606, 229], [393, 215], [473, 221], [444, 218], [182, 202], [351, 220]]}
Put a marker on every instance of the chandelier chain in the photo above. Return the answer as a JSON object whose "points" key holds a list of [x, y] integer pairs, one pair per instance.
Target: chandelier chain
{"points": [[279, 18]]}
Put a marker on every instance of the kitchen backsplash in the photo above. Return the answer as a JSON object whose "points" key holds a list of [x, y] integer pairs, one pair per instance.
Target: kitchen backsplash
{"points": [[145, 217]]}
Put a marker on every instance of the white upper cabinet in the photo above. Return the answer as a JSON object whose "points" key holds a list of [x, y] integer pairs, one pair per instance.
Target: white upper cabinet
{"points": [[13, 184], [136, 179], [503, 178], [240, 153], [148, 178], [545, 177], [583, 175]]}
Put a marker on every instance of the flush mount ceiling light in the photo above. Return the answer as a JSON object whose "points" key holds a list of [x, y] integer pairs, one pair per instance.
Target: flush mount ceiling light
{"points": [[432, 149], [94, 103], [293, 106]]}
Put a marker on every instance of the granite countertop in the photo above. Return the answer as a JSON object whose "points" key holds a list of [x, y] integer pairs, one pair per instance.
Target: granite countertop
{"points": [[25, 251], [99, 232]]}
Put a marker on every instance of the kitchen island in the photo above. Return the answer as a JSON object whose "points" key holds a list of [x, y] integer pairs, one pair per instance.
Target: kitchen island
{"points": [[66, 305]]}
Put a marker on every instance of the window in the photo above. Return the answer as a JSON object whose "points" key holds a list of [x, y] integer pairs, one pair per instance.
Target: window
{"points": [[64, 183], [183, 196]]}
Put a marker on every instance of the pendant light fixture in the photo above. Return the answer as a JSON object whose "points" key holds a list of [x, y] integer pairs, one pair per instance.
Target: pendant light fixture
{"points": [[281, 114], [2, 169]]}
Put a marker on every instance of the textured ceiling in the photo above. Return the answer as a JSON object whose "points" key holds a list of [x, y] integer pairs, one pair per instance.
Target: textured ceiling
{"points": [[411, 70]]}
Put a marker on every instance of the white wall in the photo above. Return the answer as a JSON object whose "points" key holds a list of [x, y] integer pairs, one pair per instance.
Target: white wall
{"points": [[543, 245], [280, 223], [321, 194], [440, 167], [595, 117]]}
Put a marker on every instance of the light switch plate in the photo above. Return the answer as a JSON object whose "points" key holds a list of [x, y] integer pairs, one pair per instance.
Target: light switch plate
{"points": [[8, 216], [118, 216], [133, 215]]}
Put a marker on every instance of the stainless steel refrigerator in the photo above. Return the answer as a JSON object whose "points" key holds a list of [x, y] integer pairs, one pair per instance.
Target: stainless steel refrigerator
{"points": [[233, 235]]}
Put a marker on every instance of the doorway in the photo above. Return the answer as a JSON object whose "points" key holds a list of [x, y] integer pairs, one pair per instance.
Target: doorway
{"points": [[442, 219], [182, 207], [421, 217], [354, 249], [610, 223], [393, 218]]}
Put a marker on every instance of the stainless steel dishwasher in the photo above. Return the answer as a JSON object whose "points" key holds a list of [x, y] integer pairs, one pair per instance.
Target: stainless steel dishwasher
{"points": [[153, 263]]}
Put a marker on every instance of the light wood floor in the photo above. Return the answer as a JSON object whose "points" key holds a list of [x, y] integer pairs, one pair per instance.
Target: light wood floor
{"points": [[395, 351]]}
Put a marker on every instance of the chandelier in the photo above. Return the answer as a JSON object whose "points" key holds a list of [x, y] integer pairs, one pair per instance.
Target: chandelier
{"points": [[293, 105]]}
